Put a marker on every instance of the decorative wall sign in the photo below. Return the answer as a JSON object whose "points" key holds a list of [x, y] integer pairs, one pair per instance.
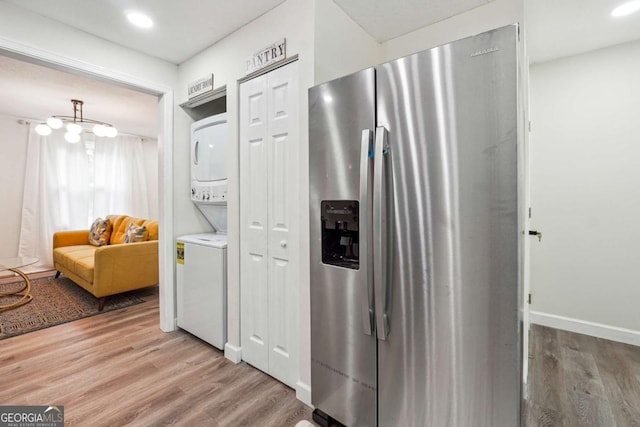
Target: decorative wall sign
{"points": [[267, 56], [201, 86]]}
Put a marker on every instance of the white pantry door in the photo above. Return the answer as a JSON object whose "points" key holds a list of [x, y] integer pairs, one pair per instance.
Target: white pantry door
{"points": [[269, 218]]}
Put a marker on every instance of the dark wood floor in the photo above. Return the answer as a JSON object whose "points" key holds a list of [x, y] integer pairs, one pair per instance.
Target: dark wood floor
{"points": [[119, 369], [578, 380]]}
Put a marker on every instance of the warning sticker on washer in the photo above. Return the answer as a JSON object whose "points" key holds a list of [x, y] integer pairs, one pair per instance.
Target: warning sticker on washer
{"points": [[180, 252]]}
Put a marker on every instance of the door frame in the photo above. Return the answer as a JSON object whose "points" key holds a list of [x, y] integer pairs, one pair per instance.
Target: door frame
{"points": [[165, 96]]}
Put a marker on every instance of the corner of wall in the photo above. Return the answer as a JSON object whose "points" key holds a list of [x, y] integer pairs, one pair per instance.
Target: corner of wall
{"points": [[333, 57]]}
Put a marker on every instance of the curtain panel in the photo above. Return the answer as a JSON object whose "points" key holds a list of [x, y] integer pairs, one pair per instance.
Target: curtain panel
{"points": [[68, 185]]}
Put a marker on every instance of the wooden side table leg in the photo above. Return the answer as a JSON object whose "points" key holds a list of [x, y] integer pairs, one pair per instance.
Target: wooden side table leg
{"points": [[26, 295]]}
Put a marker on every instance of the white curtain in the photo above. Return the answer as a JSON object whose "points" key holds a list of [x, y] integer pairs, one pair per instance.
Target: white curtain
{"points": [[120, 184], [68, 185]]}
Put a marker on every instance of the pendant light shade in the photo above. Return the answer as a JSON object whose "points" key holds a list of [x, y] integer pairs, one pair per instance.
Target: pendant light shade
{"points": [[54, 123], [99, 130], [72, 137], [43, 129], [74, 128], [111, 132]]}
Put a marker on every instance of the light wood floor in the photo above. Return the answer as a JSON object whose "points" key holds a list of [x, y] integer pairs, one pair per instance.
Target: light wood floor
{"points": [[578, 380], [119, 369]]}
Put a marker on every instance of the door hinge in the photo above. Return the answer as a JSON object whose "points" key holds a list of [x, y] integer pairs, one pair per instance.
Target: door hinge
{"points": [[529, 213], [529, 299], [529, 125]]}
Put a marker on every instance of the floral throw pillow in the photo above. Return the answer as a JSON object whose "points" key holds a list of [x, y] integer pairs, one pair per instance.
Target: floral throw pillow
{"points": [[136, 233], [100, 232]]}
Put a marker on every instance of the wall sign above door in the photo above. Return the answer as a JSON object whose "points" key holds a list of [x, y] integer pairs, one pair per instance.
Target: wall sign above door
{"points": [[201, 86], [267, 56]]}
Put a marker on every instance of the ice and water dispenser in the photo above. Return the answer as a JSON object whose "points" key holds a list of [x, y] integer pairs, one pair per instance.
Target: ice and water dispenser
{"points": [[340, 227]]}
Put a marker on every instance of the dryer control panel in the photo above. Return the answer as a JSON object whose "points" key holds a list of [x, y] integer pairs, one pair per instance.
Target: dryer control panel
{"points": [[209, 192]]}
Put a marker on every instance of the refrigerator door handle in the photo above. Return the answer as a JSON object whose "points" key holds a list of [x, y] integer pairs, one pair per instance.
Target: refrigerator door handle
{"points": [[368, 319], [381, 245]]}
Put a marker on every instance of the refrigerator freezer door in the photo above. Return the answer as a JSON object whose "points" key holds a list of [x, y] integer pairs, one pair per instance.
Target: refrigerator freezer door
{"points": [[452, 356], [343, 356]]}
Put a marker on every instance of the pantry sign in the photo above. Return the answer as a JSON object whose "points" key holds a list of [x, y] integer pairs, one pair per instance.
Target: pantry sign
{"points": [[267, 56]]}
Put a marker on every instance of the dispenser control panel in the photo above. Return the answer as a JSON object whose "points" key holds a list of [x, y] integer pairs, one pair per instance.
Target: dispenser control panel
{"points": [[340, 228]]}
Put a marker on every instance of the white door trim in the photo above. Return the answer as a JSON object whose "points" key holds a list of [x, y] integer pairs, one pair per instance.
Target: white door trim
{"points": [[165, 153]]}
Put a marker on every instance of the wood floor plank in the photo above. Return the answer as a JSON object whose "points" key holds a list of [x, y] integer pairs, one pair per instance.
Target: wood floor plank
{"points": [[118, 368], [581, 373], [631, 353], [583, 384], [549, 389], [538, 416], [621, 385], [599, 378]]}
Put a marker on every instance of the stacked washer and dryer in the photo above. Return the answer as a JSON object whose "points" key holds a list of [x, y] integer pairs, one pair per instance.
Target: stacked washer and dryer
{"points": [[202, 258]]}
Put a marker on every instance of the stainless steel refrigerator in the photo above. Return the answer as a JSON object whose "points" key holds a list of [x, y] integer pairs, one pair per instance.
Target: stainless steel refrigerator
{"points": [[414, 240]]}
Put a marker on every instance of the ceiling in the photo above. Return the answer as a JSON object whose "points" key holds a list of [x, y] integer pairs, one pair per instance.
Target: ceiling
{"points": [[184, 28], [35, 92], [557, 29], [387, 19]]}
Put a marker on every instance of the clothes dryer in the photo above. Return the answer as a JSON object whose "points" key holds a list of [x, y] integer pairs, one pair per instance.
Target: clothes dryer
{"points": [[209, 138]]}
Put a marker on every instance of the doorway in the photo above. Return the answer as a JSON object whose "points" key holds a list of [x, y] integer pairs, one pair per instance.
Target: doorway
{"points": [[165, 149]]}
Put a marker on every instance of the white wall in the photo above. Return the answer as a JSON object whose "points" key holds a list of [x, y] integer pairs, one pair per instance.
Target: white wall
{"points": [[585, 155], [493, 15], [226, 60], [341, 46], [13, 157]]}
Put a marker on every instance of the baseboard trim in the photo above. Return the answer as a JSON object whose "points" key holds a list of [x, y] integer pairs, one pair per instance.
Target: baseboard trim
{"points": [[599, 330], [303, 393], [233, 353]]}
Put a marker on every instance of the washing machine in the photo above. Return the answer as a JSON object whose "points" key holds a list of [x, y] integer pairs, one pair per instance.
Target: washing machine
{"points": [[201, 270]]}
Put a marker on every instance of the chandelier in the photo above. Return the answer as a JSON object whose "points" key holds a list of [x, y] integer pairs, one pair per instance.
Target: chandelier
{"points": [[75, 125]]}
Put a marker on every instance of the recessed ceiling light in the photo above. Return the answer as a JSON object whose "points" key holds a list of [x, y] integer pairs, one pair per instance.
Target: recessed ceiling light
{"points": [[626, 8], [139, 19]]}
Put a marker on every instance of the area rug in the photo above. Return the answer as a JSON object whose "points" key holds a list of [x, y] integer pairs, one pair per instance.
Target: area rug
{"points": [[55, 301]]}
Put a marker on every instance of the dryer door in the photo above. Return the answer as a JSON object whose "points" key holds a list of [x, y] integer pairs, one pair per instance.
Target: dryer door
{"points": [[209, 149]]}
